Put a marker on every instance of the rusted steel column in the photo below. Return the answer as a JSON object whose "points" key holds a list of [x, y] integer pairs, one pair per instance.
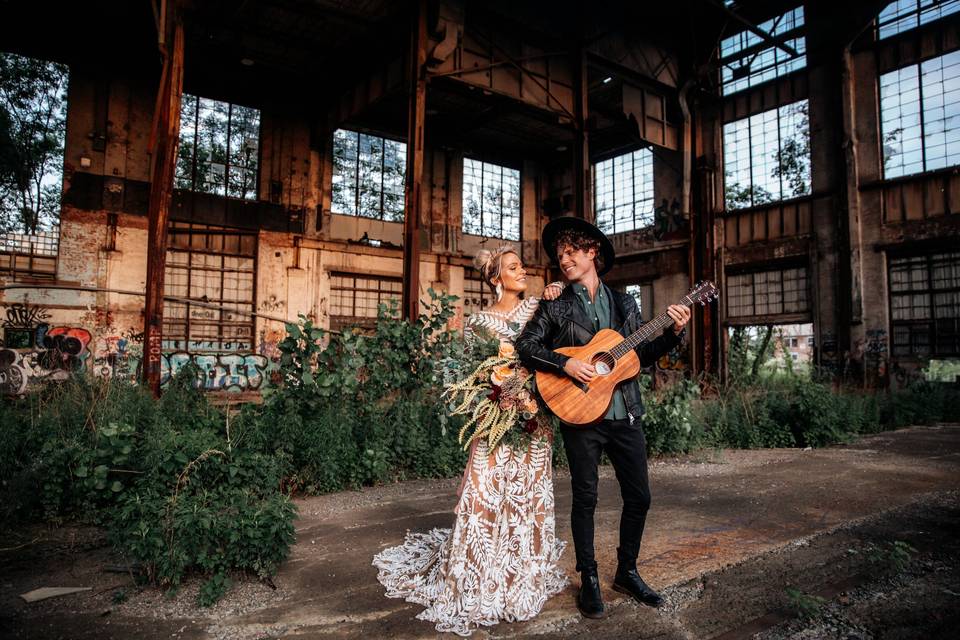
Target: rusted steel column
{"points": [[415, 116], [582, 188], [163, 149]]}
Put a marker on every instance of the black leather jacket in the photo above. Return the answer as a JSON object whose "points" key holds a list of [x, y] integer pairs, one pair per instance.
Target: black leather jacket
{"points": [[563, 323]]}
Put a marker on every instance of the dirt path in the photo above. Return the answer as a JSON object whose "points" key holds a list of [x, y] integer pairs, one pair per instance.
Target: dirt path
{"points": [[728, 532]]}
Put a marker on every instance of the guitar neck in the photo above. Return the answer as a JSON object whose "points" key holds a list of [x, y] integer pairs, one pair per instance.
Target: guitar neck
{"points": [[647, 331]]}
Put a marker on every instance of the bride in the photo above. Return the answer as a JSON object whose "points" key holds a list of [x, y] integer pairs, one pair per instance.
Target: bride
{"points": [[500, 560]]}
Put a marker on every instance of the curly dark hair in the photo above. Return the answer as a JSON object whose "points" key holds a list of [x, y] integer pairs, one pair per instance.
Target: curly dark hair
{"points": [[579, 241]]}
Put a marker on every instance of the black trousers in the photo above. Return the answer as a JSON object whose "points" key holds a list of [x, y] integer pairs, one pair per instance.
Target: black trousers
{"points": [[627, 449]]}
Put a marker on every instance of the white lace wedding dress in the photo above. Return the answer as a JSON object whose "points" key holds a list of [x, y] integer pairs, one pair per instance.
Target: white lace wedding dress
{"points": [[500, 560]]}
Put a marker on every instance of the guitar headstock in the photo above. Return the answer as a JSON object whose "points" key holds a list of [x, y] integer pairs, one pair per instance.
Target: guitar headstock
{"points": [[703, 293]]}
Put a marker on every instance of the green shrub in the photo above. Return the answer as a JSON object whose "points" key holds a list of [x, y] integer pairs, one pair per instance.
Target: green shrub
{"points": [[363, 408], [668, 422], [174, 491]]}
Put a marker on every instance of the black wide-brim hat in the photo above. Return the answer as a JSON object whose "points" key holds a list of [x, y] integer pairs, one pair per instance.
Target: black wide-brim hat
{"points": [[565, 223]]}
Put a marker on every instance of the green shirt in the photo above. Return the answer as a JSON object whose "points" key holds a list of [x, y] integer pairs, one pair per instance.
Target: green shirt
{"points": [[599, 313]]}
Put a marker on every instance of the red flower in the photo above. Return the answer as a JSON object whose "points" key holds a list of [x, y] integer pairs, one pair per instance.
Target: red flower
{"points": [[530, 426], [494, 395]]}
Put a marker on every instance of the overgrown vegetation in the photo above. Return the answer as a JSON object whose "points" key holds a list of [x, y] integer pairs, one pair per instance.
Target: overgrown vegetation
{"points": [[183, 488]]}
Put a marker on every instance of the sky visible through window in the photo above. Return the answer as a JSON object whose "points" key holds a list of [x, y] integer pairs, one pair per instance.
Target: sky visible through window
{"points": [[766, 156], [920, 116], [760, 63], [623, 192], [368, 175], [905, 15], [491, 200]]}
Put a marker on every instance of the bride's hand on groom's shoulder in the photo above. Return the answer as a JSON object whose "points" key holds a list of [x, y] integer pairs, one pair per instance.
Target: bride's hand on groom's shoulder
{"points": [[552, 291]]}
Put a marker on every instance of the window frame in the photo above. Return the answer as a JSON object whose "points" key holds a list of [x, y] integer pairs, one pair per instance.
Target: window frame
{"points": [[247, 248], [795, 33], [356, 186], [780, 143], [486, 162], [635, 201], [930, 291], [227, 165], [787, 316], [359, 320], [924, 170], [917, 11]]}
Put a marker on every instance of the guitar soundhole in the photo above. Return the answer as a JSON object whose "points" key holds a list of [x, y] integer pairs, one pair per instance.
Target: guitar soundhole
{"points": [[603, 363]]}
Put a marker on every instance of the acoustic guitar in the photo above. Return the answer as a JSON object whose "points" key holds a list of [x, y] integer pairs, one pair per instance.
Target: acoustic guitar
{"points": [[614, 359]]}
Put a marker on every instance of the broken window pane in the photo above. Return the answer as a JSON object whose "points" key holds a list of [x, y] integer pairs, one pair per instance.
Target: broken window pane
{"points": [[219, 148], [904, 15], [368, 175], [746, 60], [491, 200], [920, 116], [623, 192], [767, 156]]}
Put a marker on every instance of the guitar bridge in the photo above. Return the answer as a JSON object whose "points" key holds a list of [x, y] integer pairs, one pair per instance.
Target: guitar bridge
{"points": [[581, 385]]}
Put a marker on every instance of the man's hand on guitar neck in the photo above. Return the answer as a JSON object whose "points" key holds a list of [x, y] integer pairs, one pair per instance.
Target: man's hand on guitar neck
{"points": [[580, 370], [680, 316]]}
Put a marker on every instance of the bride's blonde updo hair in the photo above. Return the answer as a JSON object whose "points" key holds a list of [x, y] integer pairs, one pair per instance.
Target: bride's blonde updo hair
{"points": [[488, 263]]}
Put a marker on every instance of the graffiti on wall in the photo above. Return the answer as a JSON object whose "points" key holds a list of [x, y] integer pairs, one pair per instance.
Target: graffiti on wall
{"points": [[117, 355], [669, 222], [32, 352], [219, 371], [57, 353]]}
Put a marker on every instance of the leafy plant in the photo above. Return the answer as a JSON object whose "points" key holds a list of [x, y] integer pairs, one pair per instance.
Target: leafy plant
{"points": [[803, 604]]}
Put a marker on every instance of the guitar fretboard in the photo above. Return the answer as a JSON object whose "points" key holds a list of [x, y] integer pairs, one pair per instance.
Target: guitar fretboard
{"points": [[646, 331]]}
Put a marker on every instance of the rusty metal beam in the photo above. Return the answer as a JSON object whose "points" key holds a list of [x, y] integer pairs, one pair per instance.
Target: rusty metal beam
{"points": [[163, 150], [754, 29], [582, 205], [416, 114]]}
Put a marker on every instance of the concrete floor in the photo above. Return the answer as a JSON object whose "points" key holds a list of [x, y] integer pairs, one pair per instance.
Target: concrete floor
{"points": [[710, 511]]}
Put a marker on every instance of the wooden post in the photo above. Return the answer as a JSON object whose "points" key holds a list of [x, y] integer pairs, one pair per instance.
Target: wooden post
{"points": [[417, 105], [163, 149]]}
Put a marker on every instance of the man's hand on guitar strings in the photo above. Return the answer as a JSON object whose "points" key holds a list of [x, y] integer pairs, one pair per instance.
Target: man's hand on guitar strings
{"points": [[680, 316], [580, 370]]}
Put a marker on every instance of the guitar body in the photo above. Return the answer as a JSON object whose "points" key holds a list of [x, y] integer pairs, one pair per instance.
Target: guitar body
{"points": [[583, 404]]}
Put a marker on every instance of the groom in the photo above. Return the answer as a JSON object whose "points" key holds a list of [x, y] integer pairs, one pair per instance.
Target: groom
{"points": [[584, 254]]}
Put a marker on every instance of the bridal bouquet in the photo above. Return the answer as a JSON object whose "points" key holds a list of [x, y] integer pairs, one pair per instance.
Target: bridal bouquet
{"points": [[499, 401]]}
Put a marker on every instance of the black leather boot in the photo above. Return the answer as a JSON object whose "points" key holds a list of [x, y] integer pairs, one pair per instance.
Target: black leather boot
{"points": [[628, 581], [589, 600]]}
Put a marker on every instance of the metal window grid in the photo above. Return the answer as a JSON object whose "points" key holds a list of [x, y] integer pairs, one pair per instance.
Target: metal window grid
{"points": [[491, 200], [367, 175], [242, 148], [210, 265], [925, 304], [623, 192]]}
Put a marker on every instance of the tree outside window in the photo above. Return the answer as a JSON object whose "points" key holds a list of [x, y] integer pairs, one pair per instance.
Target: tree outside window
{"points": [[368, 175], [767, 156], [491, 200], [33, 110], [219, 148]]}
